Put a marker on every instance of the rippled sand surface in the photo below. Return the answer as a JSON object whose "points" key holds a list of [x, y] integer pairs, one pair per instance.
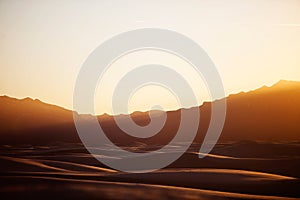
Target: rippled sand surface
{"points": [[245, 170]]}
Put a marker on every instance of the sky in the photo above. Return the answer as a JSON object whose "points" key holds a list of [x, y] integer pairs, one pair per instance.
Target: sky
{"points": [[43, 45]]}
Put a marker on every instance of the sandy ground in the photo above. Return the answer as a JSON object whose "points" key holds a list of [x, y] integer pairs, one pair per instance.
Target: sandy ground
{"points": [[245, 170]]}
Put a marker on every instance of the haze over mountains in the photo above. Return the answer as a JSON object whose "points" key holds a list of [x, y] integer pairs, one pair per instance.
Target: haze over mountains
{"points": [[266, 114]]}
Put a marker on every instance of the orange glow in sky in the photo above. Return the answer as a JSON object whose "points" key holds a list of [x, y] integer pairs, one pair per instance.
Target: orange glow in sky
{"points": [[43, 45]]}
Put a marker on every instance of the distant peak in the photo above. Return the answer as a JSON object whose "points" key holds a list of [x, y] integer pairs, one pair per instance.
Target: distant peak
{"points": [[105, 115], [284, 83], [27, 99], [6, 97]]}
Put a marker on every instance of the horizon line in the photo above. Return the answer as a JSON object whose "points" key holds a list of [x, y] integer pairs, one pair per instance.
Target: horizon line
{"points": [[139, 111]]}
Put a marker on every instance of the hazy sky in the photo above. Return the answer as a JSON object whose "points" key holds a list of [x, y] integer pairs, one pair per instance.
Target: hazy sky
{"points": [[44, 43]]}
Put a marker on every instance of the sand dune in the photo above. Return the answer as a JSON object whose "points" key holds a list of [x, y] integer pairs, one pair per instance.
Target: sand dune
{"points": [[77, 189], [68, 170]]}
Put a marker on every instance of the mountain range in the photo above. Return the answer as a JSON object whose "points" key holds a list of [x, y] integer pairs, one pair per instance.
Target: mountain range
{"points": [[265, 114]]}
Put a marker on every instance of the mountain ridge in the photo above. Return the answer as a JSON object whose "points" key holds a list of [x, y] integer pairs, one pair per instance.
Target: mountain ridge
{"points": [[279, 84], [262, 114]]}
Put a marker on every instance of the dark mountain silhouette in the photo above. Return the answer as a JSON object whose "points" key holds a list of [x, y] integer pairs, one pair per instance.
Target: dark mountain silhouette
{"points": [[267, 114], [17, 115]]}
